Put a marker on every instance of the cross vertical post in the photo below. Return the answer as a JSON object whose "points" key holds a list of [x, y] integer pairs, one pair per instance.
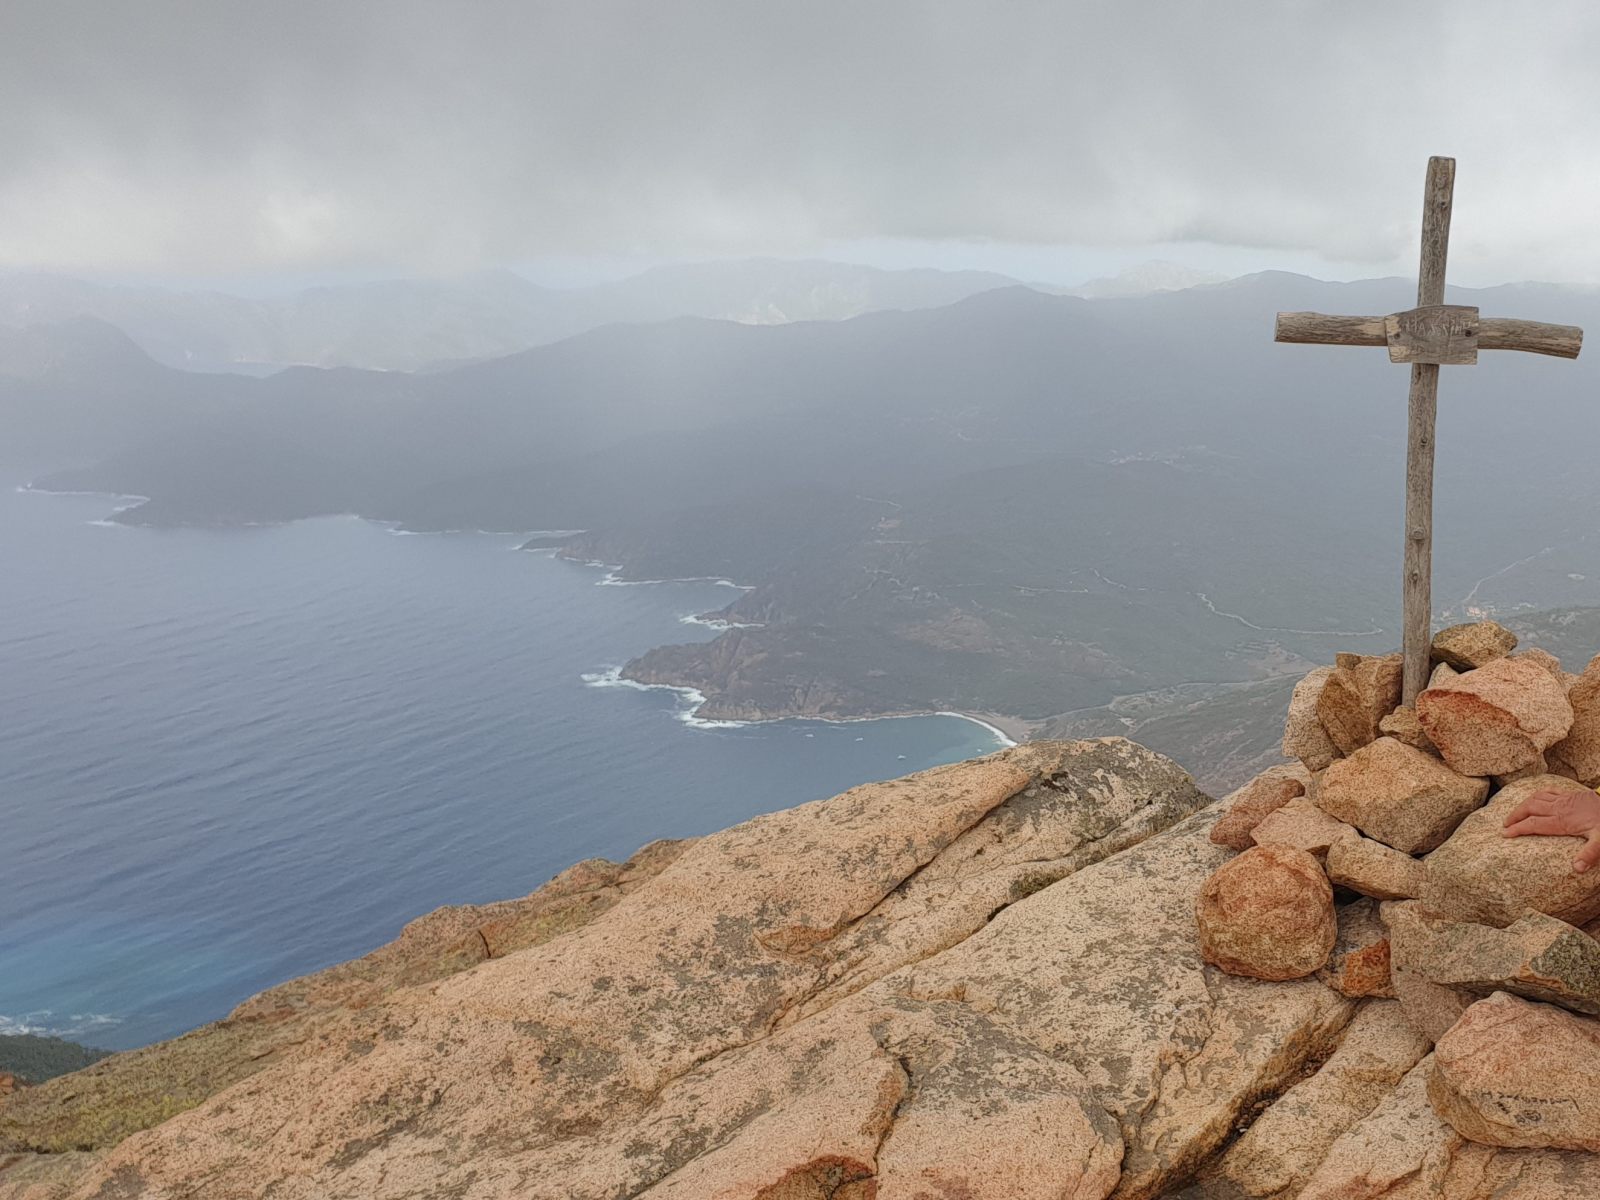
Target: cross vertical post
{"points": [[1422, 410], [1429, 336]]}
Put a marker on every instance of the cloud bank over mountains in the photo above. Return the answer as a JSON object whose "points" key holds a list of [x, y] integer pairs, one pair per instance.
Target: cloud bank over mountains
{"points": [[234, 137]]}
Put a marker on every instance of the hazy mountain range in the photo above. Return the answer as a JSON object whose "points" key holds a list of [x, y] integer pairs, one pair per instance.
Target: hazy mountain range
{"points": [[1145, 279], [1018, 503], [413, 324]]}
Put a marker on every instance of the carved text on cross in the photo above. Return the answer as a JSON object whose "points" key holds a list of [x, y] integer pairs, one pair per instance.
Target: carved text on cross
{"points": [[1432, 335]]}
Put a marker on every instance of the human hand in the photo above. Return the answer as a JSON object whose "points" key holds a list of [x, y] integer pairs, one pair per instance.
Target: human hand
{"points": [[1573, 812]]}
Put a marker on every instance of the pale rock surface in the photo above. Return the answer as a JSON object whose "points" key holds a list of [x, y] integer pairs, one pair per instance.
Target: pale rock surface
{"points": [[1374, 869], [1578, 754], [1359, 965], [1496, 719], [1403, 1151], [1397, 794], [1430, 1007], [1267, 914], [103, 1103], [1263, 795], [45, 1176], [900, 1005], [592, 1028], [1402, 725], [1358, 694], [1301, 825], [1303, 735], [1550, 663], [883, 995], [1285, 1144], [1518, 1074], [1480, 875], [1389, 1152], [980, 1096], [1293, 770], [1085, 802], [1472, 645], [657, 1050], [1537, 957], [1440, 673], [1107, 973], [884, 1092]]}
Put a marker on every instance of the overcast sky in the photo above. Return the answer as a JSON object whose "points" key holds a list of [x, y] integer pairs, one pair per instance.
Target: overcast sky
{"points": [[279, 139]]}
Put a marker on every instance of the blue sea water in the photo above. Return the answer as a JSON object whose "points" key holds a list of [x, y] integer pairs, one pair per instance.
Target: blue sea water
{"points": [[229, 757]]}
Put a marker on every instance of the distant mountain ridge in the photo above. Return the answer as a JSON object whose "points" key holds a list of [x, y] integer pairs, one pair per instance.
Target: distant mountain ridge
{"points": [[1145, 279], [417, 324], [409, 324]]}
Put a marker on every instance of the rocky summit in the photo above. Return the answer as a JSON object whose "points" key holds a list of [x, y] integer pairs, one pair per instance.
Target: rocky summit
{"points": [[1495, 976], [1057, 971]]}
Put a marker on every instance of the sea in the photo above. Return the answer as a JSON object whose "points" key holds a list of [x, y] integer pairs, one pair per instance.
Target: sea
{"points": [[232, 756]]}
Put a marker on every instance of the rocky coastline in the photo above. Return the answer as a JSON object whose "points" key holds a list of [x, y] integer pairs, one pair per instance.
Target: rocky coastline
{"points": [[732, 678], [723, 696]]}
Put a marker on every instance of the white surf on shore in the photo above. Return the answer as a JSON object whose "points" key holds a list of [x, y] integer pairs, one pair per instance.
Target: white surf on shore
{"points": [[691, 700], [717, 623], [612, 579], [105, 522], [48, 1023]]}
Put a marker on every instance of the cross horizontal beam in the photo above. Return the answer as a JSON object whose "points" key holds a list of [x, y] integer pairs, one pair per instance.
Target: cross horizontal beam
{"points": [[1493, 333]]}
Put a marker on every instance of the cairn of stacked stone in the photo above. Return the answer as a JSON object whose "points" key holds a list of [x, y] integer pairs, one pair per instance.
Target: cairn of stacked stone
{"points": [[1377, 863]]}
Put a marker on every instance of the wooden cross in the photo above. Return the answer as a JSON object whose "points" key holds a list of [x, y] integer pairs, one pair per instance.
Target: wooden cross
{"points": [[1432, 335]]}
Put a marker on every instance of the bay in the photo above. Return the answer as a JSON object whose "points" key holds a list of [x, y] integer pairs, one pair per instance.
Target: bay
{"points": [[229, 757]]}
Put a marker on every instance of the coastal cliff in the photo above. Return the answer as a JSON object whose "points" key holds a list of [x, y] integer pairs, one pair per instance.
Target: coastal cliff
{"points": [[743, 676]]}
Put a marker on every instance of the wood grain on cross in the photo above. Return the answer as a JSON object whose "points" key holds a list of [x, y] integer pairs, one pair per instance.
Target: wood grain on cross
{"points": [[1432, 335]]}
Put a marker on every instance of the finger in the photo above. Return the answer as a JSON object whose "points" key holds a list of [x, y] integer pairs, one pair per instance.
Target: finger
{"points": [[1589, 855], [1537, 804], [1539, 823]]}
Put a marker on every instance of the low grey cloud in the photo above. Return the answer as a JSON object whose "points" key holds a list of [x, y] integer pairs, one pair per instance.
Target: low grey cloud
{"points": [[227, 137]]}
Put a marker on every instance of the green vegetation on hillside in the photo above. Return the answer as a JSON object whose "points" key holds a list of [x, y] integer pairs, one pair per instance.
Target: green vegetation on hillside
{"points": [[1222, 736], [34, 1059]]}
